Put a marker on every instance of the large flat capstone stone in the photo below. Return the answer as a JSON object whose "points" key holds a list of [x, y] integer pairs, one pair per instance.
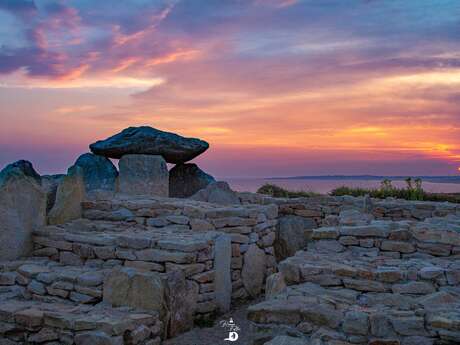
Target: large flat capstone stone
{"points": [[143, 175], [147, 140]]}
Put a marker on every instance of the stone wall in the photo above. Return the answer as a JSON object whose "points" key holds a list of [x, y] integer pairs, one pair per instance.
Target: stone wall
{"points": [[163, 235], [382, 282]]}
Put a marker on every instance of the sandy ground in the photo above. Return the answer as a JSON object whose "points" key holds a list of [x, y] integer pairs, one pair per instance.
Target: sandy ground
{"points": [[215, 335]]}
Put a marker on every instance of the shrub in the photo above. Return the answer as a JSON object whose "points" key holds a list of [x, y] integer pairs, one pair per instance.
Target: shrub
{"points": [[279, 192]]}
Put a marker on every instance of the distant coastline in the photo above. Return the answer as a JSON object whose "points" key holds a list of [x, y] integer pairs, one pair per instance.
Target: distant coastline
{"points": [[435, 179]]}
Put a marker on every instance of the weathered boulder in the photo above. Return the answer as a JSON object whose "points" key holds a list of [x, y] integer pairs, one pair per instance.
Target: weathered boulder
{"points": [[187, 179], [217, 193], [69, 196], [20, 169], [253, 272], [22, 209], [50, 185], [143, 175], [98, 172], [292, 234], [170, 294], [147, 140], [136, 289]]}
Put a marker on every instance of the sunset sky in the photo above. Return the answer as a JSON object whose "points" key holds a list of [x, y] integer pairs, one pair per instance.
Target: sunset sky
{"points": [[277, 87]]}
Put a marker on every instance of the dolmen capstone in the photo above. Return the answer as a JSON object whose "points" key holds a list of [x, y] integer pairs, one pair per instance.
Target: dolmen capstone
{"points": [[143, 153], [146, 140]]}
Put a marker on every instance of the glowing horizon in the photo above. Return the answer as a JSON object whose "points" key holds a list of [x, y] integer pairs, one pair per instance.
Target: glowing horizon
{"points": [[277, 87]]}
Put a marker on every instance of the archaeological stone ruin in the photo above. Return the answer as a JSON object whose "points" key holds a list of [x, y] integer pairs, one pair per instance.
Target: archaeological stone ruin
{"points": [[143, 253]]}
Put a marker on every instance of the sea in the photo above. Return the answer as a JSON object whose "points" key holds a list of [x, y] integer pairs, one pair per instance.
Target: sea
{"points": [[325, 186]]}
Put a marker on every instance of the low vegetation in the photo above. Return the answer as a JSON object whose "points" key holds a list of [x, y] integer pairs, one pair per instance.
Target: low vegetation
{"points": [[279, 192], [412, 191]]}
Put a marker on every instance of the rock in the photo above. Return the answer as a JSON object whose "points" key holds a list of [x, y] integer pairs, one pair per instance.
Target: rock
{"points": [[287, 340], [69, 196], [147, 140], [217, 193], [253, 272], [97, 338], [354, 217], [222, 267], [186, 180], [182, 296], [292, 234], [98, 172], [136, 289], [274, 285], [20, 168], [356, 322], [50, 185], [143, 175], [22, 209], [416, 288]]}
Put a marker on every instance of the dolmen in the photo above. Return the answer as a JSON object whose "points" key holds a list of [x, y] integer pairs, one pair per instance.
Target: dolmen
{"points": [[144, 153]]}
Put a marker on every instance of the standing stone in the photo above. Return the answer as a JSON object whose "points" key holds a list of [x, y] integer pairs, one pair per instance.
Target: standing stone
{"points": [[50, 185], [98, 172], [147, 140], [69, 196], [217, 193], [223, 277], [292, 234], [20, 168], [22, 209], [253, 272], [182, 300], [187, 179], [143, 175]]}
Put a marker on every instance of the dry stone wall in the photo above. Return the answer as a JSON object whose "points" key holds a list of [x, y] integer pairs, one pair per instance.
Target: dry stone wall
{"points": [[164, 235], [379, 282]]}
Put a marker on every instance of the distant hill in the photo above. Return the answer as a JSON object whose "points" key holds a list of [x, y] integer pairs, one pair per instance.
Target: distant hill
{"points": [[437, 179]]}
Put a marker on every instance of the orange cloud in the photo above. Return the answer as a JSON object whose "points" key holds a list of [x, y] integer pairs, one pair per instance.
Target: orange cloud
{"points": [[176, 56]]}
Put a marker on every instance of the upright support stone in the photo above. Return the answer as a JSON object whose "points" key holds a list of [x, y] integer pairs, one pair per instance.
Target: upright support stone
{"points": [[143, 175], [69, 196], [223, 278], [253, 272]]}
